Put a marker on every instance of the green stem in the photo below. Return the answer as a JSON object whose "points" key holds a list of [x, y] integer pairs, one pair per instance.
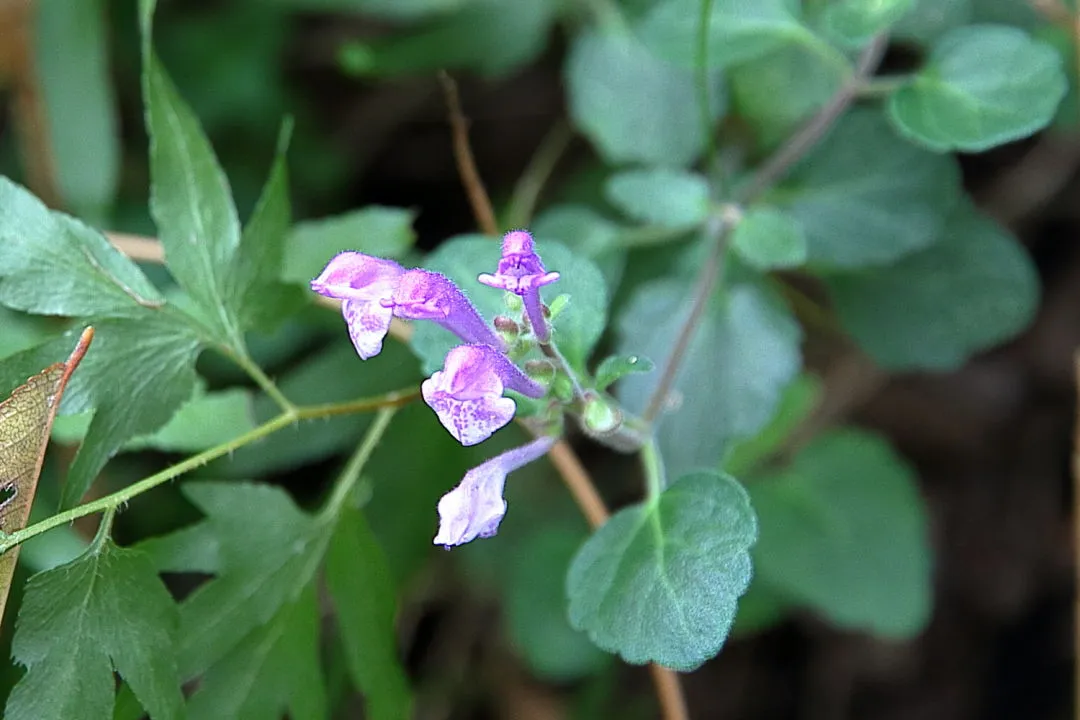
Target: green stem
{"points": [[347, 480], [653, 465], [262, 380], [551, 351], [125, 495], [104, 531], [527, 190]]}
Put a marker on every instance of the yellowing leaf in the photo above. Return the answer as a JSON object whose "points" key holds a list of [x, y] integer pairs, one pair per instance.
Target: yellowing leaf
{"points": [[25, 421]]}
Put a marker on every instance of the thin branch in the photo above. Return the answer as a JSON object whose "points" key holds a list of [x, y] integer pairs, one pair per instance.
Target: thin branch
{"points": [[579, 483], [470, 177], [138, 247], [780, 163], [527, 191], [672, 702], [716, 230]]}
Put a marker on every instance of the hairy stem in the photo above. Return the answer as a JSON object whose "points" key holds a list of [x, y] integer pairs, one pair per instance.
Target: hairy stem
{"points": [[653, 465], [347, 480], [261, 379], [119, 498], [717, 230], [780, 163]]}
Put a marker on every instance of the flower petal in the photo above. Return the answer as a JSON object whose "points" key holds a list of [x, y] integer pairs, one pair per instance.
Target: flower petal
{"points": [[356, 276], [470, 420], [368, 322]]}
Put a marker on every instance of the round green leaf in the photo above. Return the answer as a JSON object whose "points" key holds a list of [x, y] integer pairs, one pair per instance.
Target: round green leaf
{"points": [[855, 21], [866, 197], [743, 355], [844, 531], [739, 30], [984, 85], [632, 105], [659, 581], [932, 310], [767, 238], [671, 198]]}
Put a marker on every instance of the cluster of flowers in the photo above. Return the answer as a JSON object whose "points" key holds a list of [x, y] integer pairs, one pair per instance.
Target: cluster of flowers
{"points": [[467, 394]]}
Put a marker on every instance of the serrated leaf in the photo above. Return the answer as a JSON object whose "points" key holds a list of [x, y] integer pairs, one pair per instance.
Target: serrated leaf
{"points": [[536, 609], [138, 376], [25, 421], [798, 401], [577, 327], [855, 21], [767, 238], [775, 92], [670, 198], [276, 666], [984, 85], [974, 289], [745, 351], [633, 106], [739, 30], [844, 531], [659, 581], [617, 366], [255, 582], [73, 68], [52, 264], [866, 197], [107, 610], [383, 231], [363, 592], [254, 290]]}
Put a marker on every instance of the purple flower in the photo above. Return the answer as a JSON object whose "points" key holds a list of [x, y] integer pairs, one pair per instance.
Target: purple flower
{"points": [[476, 506], [425, 295], [522, 273], [467, 394], [364, 284]]}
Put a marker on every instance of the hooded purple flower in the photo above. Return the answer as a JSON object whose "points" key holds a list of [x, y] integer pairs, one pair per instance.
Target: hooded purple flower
{"points": [[476, 506], [467, 394], [426, 295], [522, 273], [364, 284]]}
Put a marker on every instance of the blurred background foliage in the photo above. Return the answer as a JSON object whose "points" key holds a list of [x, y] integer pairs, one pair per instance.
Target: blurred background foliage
{"points": [[484, 631]]}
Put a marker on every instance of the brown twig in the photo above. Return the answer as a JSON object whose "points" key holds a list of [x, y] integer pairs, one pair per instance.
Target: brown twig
{"points": [[566, 462], [470, 177]]}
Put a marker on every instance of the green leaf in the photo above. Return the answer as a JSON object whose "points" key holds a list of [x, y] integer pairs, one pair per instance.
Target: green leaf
{"points": [[80, 108], [203, 422], [670, 198], [866, 197], [933, 310], [984, 85], [536, 608], [767, 238], [190, 199], [363, 592], [618, 366], [383, 231], [659, 581], [576, 329], [136, 377], [276, 666], [739, 30], [587, 233], [633, 106], [775, 92], [106, 610], [254, 290], [745, 351], [475, 36], [52, 264], [930, 19], [800, 398], [856, 21], [843, 530], [268, 550]]}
